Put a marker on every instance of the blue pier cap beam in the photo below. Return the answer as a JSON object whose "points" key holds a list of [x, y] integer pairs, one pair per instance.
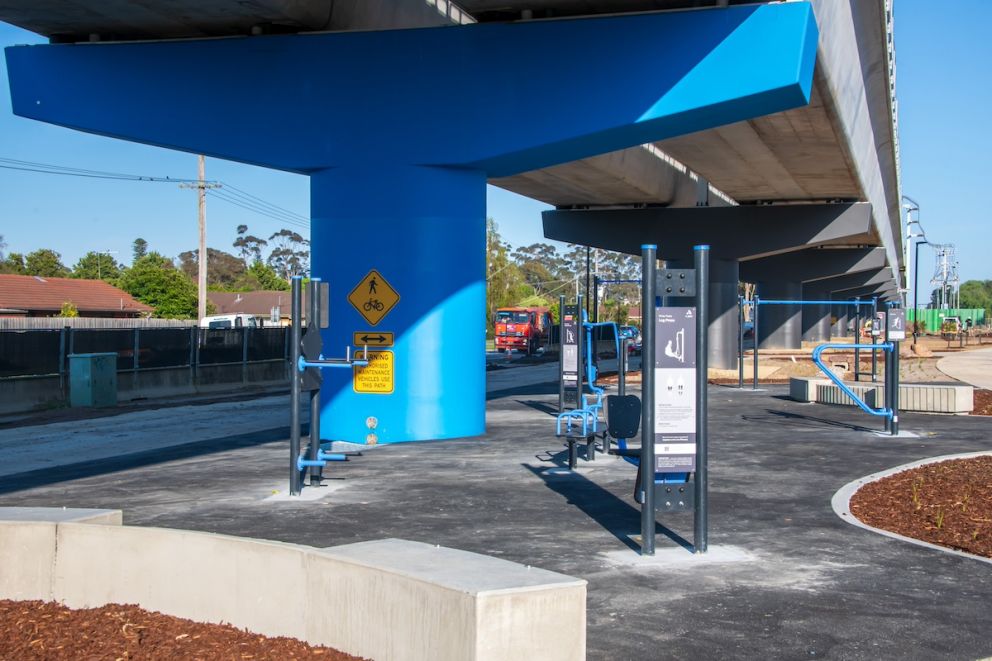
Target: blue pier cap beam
{"points": [[399, 131]]}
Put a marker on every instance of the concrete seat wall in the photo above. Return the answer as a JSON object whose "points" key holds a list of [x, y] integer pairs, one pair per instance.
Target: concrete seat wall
{"points": [[387, 599]]}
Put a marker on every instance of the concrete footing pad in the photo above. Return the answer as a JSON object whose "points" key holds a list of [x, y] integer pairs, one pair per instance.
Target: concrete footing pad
{"points": [[678, 557]]}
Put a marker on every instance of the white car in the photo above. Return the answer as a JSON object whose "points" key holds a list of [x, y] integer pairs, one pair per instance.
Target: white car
{"points": [[223, 321]]}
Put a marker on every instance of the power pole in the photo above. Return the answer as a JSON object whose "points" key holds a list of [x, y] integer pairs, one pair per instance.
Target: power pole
{"points": [[201, 276]]}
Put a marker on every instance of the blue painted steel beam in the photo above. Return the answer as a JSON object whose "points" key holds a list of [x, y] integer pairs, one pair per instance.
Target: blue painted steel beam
{"points": [[400, 130], [500, 98]]}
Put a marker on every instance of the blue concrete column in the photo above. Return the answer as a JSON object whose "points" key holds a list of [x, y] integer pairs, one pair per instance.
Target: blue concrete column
{"points": [[780, 326], [423, 230]]}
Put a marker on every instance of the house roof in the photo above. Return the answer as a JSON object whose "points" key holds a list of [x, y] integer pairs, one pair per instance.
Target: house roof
{"points": [[257, 303], [34, 293]]}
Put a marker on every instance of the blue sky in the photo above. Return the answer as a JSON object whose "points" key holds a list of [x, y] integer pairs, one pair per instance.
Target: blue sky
{"points": [[943, 86]]}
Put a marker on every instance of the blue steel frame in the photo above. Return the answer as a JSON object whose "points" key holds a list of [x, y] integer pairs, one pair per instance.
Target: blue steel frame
{"points": [[884, 346]]}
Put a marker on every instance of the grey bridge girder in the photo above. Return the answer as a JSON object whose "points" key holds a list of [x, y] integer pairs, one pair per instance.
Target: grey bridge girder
{"points": [[733, 233], [737, 233], [793, 276]]}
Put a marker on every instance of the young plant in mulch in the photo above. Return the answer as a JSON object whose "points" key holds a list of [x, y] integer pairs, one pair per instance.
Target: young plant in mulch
{"points": [[947, 503]]}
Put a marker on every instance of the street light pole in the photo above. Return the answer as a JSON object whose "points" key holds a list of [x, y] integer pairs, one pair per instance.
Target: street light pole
{"points": [[916, 290]]}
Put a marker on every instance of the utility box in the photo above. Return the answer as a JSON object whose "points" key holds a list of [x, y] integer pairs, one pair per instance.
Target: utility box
{"points": [[92, 379]]}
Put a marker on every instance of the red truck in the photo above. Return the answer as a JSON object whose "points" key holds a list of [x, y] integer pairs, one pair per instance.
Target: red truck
{"points": [[522, 328]]}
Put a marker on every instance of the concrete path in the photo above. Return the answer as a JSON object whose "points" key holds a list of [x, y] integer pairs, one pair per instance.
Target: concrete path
{"points": [[974, 367], [788, 578]]}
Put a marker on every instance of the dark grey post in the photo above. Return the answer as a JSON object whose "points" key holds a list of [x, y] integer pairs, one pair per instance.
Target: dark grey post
{"points": [[294, 388], [740, 342], [588, 269], [755, 306], [244, 354], [649, 258], [700, 514], [62, 362], [888, 373], [621, 376], [561, 354], [857, 339], [136, 348], [313, 317], [874, 341], [595, 299], [196, 354], [895, 387]]}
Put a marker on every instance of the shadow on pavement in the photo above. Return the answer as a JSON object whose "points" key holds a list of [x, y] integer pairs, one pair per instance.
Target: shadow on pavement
{"points": [[616, 516]]}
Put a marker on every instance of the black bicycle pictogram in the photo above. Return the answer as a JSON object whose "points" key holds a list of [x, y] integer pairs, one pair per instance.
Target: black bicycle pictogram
{"points": [[373, 304]]}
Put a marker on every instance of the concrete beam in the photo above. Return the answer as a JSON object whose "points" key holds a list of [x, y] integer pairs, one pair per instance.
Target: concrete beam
{"points": [[840, 286], [814, 264], [741, 232]]}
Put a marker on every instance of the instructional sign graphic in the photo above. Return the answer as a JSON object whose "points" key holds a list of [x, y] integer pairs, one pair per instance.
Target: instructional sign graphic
{"points": [[373, 339], [675, 389], [377, 377], [373, 297], [570, 376], [897, 324]]}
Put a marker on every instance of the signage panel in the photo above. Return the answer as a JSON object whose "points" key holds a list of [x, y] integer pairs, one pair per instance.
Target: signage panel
{"points": [[675, 389]]}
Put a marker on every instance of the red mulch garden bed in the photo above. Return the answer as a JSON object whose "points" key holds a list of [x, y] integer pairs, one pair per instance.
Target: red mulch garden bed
{"points": [[947, 503], [983, 402], [47, 630]]}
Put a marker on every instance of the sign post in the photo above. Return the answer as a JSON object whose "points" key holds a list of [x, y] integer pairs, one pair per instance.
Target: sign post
{"points": [[570, 357], [673, 395], [895, 330]]}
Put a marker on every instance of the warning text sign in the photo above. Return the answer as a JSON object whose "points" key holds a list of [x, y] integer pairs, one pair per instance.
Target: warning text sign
{"points": [[377, 377]]}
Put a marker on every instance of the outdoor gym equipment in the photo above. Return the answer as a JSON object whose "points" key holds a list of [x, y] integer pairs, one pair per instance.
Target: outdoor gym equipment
{"points": [[894, 321], [579, 412], [755, 306], [306, 361]]}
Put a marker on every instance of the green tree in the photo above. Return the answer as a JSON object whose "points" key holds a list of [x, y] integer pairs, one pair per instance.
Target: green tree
{"points": [[261, 277], [977, 294], [14, 264], [96, 266], [249, 247], [69, 309], [224, 270], [45, 263], [139, 249], [154, 280], [504, 285], [290, 254]]}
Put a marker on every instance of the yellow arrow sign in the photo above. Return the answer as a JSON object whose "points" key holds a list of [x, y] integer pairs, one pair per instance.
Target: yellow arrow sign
{"points": [[373, 339], [373, 297]]}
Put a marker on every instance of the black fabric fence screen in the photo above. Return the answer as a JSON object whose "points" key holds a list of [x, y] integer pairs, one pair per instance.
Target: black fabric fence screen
{"points": [[120, 342], [29, 353], [164, 347], [221, 346], [266, 344]]}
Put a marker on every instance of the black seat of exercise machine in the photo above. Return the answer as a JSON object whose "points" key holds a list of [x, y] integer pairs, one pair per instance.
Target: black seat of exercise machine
{"points": [[623, 415]]}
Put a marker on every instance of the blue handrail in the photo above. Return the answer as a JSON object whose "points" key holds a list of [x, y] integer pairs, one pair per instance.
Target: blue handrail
{"points": [[764, 301], [884, 346]]}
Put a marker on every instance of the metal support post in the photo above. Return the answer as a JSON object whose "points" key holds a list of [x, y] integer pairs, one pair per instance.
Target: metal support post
{"points": [[755, 306], [649, 260], [561, 354], [622, 374], [595, 299], [313, 319], [894, 399], [857, 340], [294, 386], [740, 342], [874, 341], [887, 380], [701, 514], [135, 350]]}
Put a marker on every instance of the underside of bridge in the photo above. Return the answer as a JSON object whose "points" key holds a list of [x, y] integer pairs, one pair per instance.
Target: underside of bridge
{"points": [[713, 111]]}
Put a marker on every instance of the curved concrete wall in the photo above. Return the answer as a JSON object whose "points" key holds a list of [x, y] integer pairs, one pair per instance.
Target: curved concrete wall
{"points": [[386, 599]]}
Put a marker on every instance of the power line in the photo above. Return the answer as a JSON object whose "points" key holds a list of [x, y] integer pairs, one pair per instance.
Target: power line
{"points": [[233, 195]]}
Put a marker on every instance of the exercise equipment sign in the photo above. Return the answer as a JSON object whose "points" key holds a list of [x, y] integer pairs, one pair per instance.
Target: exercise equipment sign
{"points": [[675, 389], [373, 297], [377, 377]]}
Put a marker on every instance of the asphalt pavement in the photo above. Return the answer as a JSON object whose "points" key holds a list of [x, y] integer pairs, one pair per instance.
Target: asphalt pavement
{"points": [[786, 578]]}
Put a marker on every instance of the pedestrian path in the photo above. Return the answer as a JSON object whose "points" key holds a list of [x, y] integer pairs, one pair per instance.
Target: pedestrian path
{"points": [[974, 367]]}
